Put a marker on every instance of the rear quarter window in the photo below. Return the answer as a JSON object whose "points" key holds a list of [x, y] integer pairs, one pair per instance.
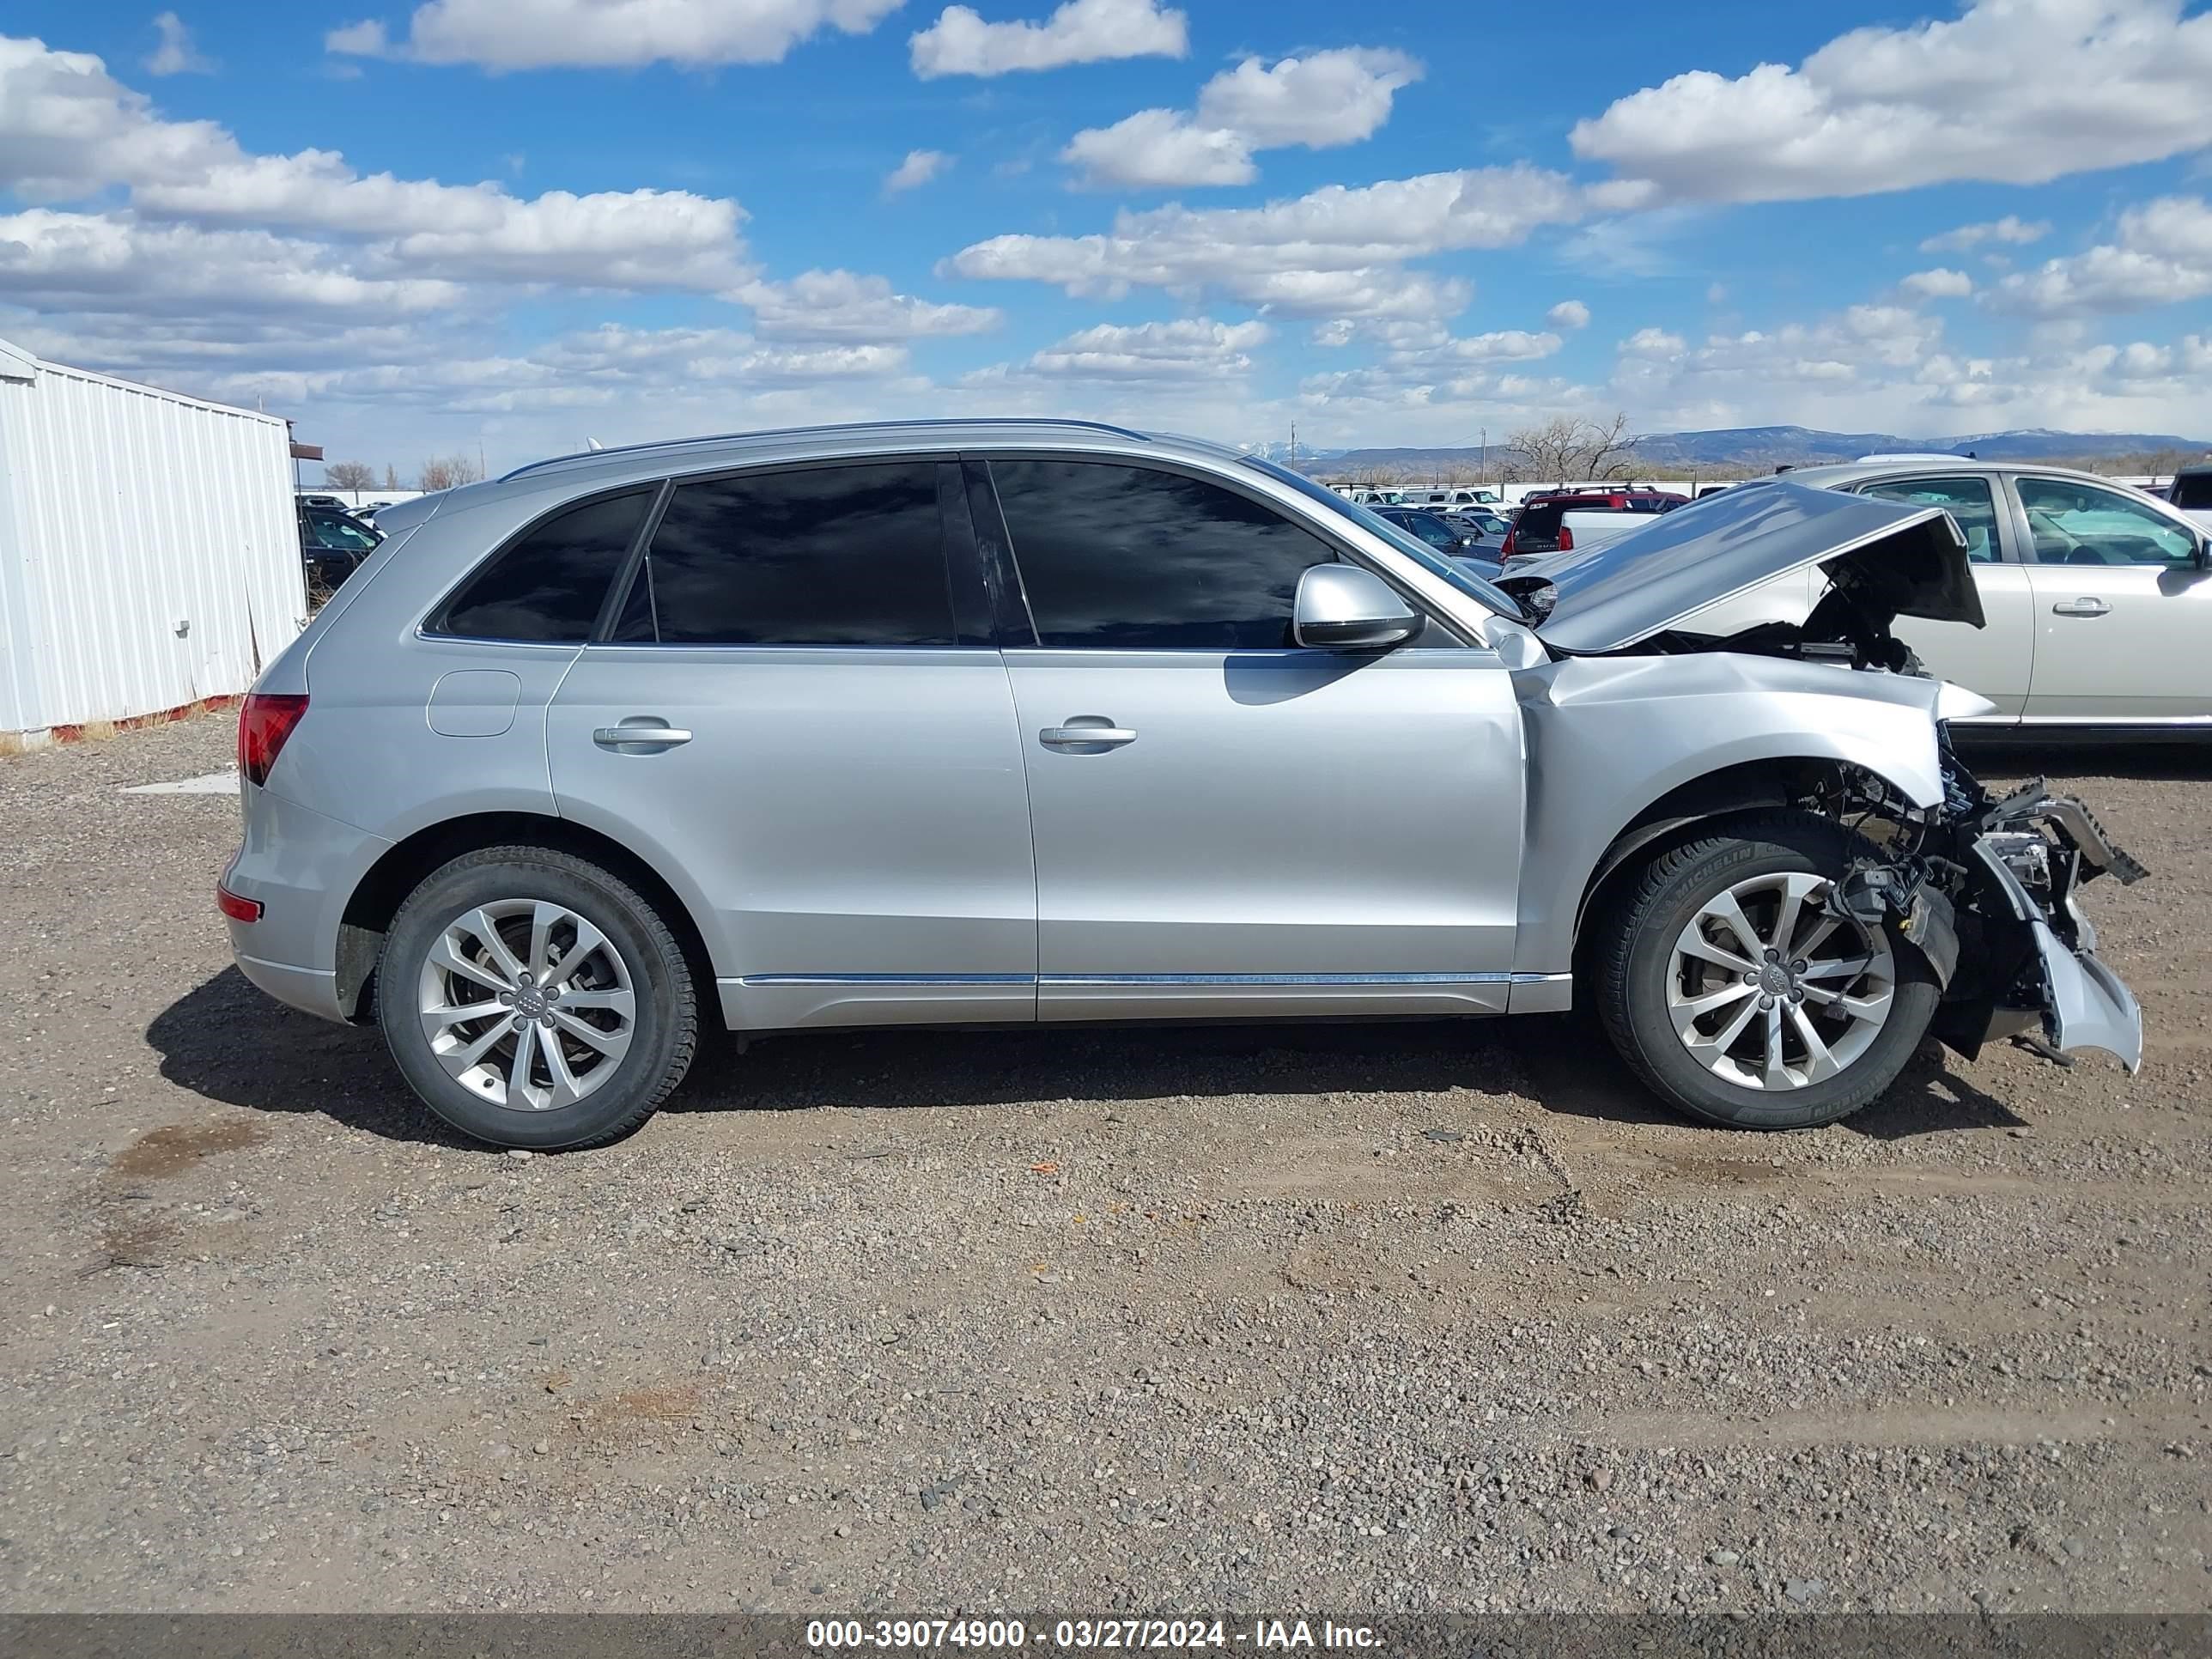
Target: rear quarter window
{"points": [[547, 586]]}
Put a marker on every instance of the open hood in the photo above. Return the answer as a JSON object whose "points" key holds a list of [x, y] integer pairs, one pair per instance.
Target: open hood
{"points": [[1885, 559]]}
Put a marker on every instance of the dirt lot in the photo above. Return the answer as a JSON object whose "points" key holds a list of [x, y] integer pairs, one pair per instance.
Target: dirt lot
{"points": [[1398, 1317]]}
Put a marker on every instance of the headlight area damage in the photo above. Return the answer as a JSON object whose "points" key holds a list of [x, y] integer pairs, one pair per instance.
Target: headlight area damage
{"points": [[1983, 886]]}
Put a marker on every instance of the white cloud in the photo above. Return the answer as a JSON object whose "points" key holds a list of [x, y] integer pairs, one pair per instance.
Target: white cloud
{"points": [[526, 34], [2183, 363], [366, 39], [1195, 348], [89, 263], [840, 306], [1320, 100], [2161, 254], [1159, 148], [920, 167], [1080, 31], [176, 55], [1427, 368], [68, 130], [2014, 91], [1857, 367], [2012, 228], [299, 281], [610, 368], [1654, 343], [1938, 284], [1569, 313], [1335, 252]]}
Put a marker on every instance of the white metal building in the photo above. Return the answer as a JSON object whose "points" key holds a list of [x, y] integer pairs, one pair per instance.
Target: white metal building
{"points": [[149, 551]]}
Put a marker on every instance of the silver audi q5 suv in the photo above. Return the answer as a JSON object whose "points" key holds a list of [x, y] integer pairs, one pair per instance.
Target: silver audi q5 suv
{"points": [[989, 723]]}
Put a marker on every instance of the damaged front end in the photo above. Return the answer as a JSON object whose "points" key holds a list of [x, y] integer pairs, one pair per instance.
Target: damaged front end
{"points": [[1984, 887]]}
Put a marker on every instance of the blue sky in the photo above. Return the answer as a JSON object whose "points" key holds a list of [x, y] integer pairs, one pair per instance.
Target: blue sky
{"points": [[520, 224]]}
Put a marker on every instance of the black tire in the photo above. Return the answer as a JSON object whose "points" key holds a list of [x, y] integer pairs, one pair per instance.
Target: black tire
{"points": [[665, 1026], [1634, 955]]}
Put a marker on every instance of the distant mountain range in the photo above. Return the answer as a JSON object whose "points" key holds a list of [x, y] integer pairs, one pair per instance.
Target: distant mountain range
{"points": [[1762, 447]]}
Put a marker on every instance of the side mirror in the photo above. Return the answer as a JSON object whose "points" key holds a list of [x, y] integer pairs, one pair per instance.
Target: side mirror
{"points": [[1342, 607]]}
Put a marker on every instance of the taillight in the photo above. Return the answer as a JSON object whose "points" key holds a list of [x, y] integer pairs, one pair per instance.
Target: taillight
{"points": [[1505, 547], [264, 724], [236, 906], [1566, 540]]}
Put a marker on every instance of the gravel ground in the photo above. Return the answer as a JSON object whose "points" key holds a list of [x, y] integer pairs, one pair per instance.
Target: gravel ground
{"points": [[1402, 1316]]}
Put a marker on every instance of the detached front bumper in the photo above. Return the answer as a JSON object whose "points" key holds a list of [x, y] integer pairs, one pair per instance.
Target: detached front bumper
{"points": [[2042, 982], [2083, 1003]]}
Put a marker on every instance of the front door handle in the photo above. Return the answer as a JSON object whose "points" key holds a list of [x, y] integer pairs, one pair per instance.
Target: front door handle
{"points": [[2080, 608], [1088, 734], [641, 734]]}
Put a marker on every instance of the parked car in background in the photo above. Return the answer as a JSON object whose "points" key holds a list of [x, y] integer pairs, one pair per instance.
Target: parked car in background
{"points": [[2091, 604], [1560, 521], [1434, 528], [2191, 491], [1446, 500], [332, 544], [330, 501], [1007, 722], [1489, 526]]}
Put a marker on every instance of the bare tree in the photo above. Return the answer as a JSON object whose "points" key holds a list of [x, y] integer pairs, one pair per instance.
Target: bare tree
{"points": [[448, 471], [1607, 455], [1551, 450], [1568, 448], [349, 474], [391, 475]]}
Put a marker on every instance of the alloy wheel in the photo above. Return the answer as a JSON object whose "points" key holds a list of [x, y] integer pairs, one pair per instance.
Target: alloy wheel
{"points": [[527, 1004], [1769, 991]]}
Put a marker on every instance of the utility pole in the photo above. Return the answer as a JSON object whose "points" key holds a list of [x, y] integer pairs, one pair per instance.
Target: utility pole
{"points": [[1485, 453], [1294, 446]]}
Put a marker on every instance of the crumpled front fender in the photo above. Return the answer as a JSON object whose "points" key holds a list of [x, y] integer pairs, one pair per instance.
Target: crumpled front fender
{"points": [[1608, 737]]}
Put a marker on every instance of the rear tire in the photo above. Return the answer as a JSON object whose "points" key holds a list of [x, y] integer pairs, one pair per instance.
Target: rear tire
{"points": [[1719, 1027], [522, 954]]}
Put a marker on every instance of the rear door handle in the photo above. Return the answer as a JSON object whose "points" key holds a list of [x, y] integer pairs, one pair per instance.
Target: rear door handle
{"points": [[640, 734], [1086, 731], [2080, 608]]}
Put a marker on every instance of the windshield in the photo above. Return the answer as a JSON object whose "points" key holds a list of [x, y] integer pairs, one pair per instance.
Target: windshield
{"points": [[1438, 565]]}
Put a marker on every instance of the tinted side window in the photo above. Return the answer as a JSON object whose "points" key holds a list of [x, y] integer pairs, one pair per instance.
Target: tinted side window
{"points": [[823, 555], [2192, 490], [550, 585], [1126, 556]]}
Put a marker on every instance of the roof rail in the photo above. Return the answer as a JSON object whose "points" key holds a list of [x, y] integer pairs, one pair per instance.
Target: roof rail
{"points": [[844, 426]]}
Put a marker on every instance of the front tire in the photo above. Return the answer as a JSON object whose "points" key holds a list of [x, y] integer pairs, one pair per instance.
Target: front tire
{"points": [[534, 1000], [1735, 1000]]}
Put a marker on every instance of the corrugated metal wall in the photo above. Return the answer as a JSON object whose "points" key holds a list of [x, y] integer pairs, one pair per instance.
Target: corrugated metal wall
{"points": [[149, 554]]}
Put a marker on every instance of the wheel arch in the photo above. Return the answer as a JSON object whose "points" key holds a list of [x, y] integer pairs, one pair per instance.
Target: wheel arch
{"points": [[376, 898], [1746, 786]]}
